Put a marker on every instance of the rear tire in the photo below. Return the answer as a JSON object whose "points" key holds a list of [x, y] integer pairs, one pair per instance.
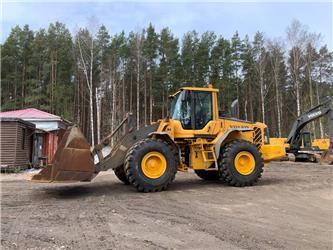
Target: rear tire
{"points": [[121, 175], [212, 175], [245, 173], [155, 173]]}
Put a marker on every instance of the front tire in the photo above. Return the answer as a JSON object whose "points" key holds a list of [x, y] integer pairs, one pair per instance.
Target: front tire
{"points": [[121, 175], [240, 163], [151, 165]]}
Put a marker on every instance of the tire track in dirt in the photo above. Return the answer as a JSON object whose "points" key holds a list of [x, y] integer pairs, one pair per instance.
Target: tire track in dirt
{"points": [[289, 208]]}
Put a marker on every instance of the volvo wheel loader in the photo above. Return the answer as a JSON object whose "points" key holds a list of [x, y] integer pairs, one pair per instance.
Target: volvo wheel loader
{"points": [[193, 136]]}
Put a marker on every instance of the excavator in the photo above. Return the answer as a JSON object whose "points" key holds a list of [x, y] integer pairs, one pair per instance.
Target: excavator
{"points": [[299, 144], [193, 136]]}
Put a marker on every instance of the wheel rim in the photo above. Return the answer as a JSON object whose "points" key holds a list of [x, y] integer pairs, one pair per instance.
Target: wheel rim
{"points": [[244, 163], [153, 165]]}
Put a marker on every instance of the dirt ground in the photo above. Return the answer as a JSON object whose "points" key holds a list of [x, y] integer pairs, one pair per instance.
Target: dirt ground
{"points": [[290, 208]]}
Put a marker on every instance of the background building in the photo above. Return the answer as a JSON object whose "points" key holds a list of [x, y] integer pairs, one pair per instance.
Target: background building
{"points": [[43, 133]]}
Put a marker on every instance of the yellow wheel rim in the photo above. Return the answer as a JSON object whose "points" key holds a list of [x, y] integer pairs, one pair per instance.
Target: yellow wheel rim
{"points": [[244, 163], [153, 165]]}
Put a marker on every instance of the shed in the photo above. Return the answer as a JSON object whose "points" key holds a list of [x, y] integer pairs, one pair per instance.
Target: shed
{"points": [[16, 139], [48, 133]]}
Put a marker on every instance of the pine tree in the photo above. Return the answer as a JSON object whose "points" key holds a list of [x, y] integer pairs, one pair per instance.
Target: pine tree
{"points": [[260, 62], [236, 47], [150, 50], [202, 58], [11, 66], [278, 73], [168, 54], [102, 44], [60, 55], [249, 82], [323, 74], [189, 49], [221, 72], [40, 71]]}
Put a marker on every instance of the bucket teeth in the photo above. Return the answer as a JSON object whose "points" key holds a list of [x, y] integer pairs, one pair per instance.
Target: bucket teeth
{"points": [[72, 160]]}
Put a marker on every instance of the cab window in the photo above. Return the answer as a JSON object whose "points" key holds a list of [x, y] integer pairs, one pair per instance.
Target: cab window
{"points": [[203, 108]]}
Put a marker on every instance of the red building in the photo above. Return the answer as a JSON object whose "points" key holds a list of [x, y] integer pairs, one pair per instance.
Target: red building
{"points": [[47, 135]]}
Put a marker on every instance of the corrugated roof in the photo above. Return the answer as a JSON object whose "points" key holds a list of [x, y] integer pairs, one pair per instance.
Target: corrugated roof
{"points": [[30, 114]]}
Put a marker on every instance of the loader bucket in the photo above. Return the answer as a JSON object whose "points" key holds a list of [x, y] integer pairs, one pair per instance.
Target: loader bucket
{"points": [[71, 162]]}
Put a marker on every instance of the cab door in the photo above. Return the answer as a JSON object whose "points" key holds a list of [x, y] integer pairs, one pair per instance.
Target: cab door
{"points": [[203, 109]]}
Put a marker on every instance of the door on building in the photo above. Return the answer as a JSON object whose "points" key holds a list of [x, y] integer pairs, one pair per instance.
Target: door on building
{"points": [[37, 156]]}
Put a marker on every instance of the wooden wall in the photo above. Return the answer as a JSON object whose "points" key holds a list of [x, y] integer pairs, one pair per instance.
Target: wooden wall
{"points": [[16, 144]]}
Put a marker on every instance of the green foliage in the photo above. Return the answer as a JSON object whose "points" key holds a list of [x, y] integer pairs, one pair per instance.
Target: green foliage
{"points": [[43, 69]]}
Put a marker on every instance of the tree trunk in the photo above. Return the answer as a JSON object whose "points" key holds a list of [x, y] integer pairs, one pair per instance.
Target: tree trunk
{"points": [[309, 68], [151, 98], [55, 84], [318, 102], [145, 101], [276, 70], [163, 101], [167, 101], [52, 83], [78, 102], [113, 108], [138, 91], [91, 118], [297, 87], [245, 109], [131, 94], [91, 94], [98, 111], [23, 87], [262, 97], [123, 96], [298, 103], [237, 93], [278, 109]]}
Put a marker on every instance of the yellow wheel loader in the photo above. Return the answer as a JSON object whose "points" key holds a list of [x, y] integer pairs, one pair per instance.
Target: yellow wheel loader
{"points": [[192, 136]]}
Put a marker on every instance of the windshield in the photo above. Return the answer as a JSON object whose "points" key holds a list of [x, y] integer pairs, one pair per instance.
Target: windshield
{"points": [[174, 103], [181, 108]]}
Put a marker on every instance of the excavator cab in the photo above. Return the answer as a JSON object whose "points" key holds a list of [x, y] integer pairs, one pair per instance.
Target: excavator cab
{"points": [[306, 139]]}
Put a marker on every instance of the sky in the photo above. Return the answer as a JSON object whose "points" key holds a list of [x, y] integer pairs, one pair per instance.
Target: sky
{"points": [[224, 18]]}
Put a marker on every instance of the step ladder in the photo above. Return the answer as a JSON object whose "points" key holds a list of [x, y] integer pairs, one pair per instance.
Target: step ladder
{"points": [[208, 154]]}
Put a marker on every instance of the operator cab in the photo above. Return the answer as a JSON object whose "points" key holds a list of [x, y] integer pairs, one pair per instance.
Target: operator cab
{"points": [[193, 107]]}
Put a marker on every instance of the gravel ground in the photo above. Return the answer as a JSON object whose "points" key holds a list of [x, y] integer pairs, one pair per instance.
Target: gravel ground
{"points": [[290, 208]]}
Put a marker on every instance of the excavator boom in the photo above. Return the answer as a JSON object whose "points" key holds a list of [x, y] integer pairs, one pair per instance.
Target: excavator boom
{"points": [[314, 113]]}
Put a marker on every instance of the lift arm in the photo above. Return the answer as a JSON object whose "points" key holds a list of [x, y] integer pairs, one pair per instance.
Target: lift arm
{"points": [[309, 116]]}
